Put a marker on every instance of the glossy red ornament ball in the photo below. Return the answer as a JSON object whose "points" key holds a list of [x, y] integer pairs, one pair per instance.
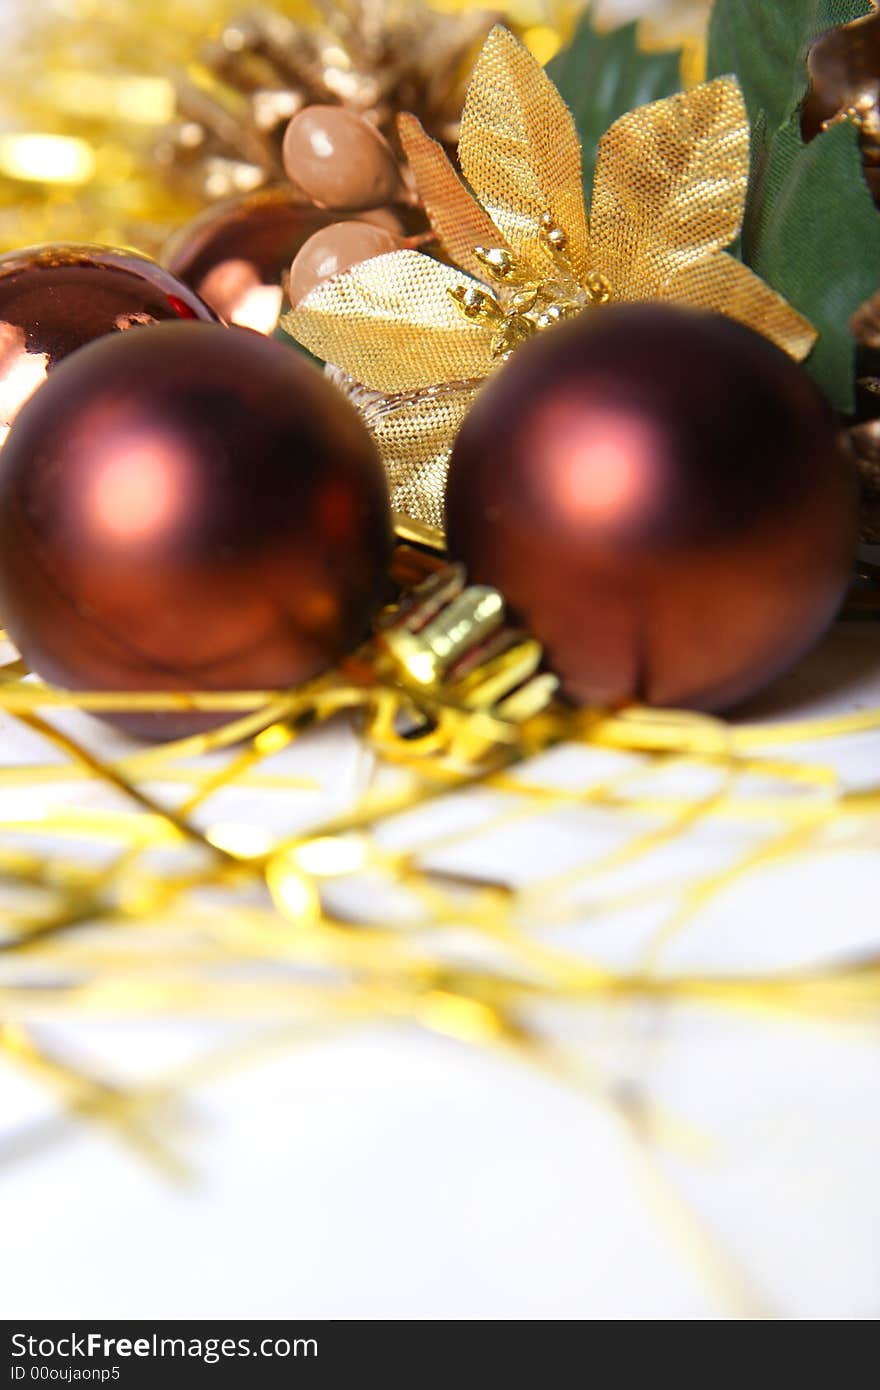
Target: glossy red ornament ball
{"points": [[192, 507], [663, 500], [55, 299]]}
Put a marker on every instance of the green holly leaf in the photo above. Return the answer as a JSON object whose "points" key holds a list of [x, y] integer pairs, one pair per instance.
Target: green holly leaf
{"points": [[765, 43], [813, 233], [602, 76]]}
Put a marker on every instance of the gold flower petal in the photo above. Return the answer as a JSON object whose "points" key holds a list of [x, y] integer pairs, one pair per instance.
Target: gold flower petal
{"points": [[520, 153], [670, 187], [415, 436], [456, 217], [390, 323], [725, 286]]}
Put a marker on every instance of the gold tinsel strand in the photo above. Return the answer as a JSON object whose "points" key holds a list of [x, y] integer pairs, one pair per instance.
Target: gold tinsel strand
{"points": [[167, 921]]}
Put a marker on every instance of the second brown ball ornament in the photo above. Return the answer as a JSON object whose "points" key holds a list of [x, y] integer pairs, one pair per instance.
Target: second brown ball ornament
{"points": [[662, 498]]}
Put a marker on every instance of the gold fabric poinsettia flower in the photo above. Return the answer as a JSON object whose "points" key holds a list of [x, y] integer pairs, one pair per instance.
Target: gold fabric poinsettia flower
{"points": [[413, 339]]}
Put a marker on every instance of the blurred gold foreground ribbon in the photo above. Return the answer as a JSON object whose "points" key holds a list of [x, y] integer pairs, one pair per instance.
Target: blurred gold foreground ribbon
{"points": [[189, 905]]}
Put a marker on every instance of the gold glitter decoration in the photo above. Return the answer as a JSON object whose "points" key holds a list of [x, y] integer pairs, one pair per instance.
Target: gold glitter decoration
{"points": [[668, 197], [86, 87], [92, 89]]}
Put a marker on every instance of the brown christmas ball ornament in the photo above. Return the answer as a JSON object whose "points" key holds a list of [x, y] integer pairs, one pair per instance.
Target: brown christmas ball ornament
{"points": [[663, 499], [55, 299], [193, 508]]}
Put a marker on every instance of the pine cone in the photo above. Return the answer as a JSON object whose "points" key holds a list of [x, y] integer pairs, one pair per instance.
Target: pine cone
{"points": [[376, 57]]}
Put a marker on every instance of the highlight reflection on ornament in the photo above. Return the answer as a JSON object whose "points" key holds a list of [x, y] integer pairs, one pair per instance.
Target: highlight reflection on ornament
{"points": [[21, 372], [56, 299]]}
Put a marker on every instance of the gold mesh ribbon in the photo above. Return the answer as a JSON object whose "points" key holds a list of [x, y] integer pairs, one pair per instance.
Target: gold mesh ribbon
{"points": [[669, 195], [416, 482]]}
